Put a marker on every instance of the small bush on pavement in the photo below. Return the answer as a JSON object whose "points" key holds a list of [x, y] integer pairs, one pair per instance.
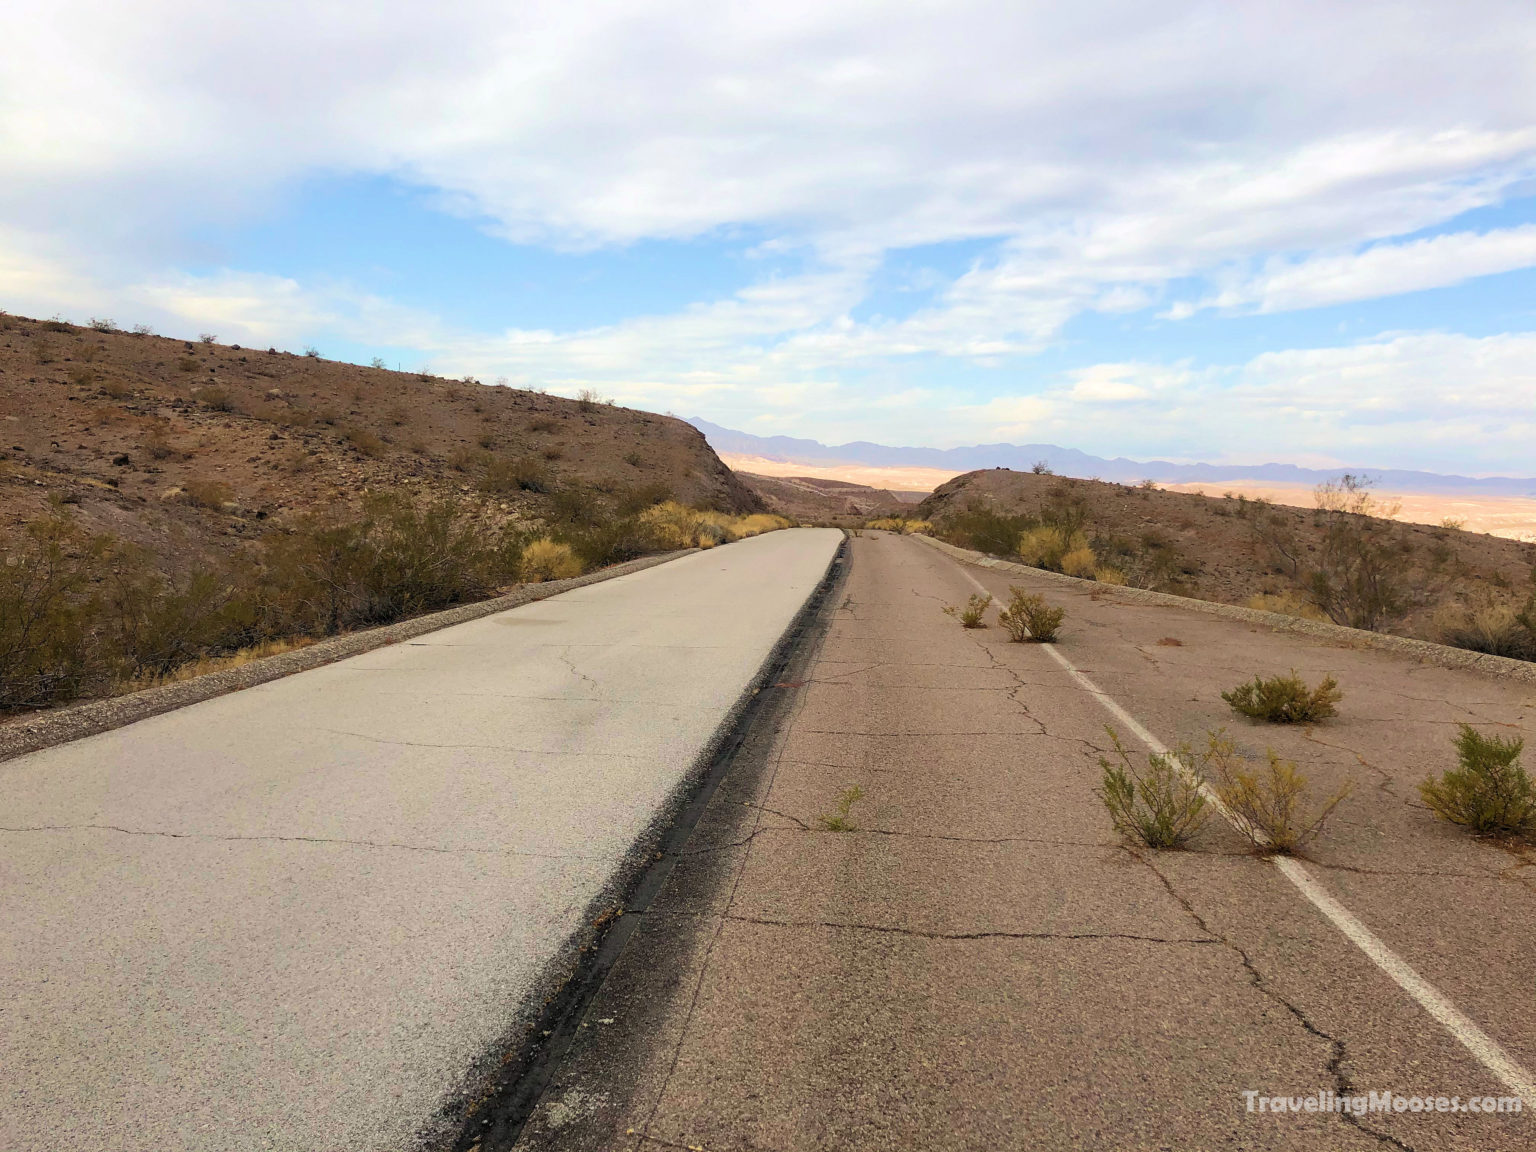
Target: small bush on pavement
{"points": [[840, 820], [1285, 699], [1488, 792], [1160, 806], [1030, 618], [973, 615], [1273, 805]]}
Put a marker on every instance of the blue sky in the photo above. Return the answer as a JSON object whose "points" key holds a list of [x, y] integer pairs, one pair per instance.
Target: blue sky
{"points": [[1271, 231]]}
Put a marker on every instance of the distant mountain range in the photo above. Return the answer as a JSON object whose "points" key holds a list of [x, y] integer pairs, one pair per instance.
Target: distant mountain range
{"points": [[1071, 462]]}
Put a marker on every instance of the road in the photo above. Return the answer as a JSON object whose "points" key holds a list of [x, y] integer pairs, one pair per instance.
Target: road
{"points": [[984, 964], [304, 916]]}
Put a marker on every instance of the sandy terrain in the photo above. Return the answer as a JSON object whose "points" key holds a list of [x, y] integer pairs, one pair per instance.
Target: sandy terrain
{"points": [[1511, 517], [893, 479]]}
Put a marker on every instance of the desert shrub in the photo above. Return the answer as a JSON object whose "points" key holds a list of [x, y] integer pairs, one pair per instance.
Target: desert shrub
{"points": [[608, 541], [1030, 618], [48, 603], [1273, 805], [974, 612], [901, 525], [543, 424], [102, 324], [188, 364], [157, 445], [546, 559], [503, 476], [588, 399], [1080, 562], [206, 337], [1489, 791], [1161, 805], [1488, 626], [1358, 573], [216, 400], [674, 525], [42, 350], [985, 530], [158, 623], [56, 324], [397, 559], [1045, 546], [115, 390], [364, 441], [1287, 603], [209, 494], [756, 524], [1285, 699]]}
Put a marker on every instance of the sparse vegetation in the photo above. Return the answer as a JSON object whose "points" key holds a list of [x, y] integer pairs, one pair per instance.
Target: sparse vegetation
{"points": [[974, 612], [840, 819], [502, 476], [1273, 805], [546, 559], [206, 337], [210, 494], [216, 400], [900, 525], [364, 441], [1285, 699], [1030, 618], [1489, 791], [1159, 806]]}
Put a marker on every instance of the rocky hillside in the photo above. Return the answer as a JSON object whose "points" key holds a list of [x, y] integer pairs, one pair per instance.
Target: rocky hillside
{"points": [[1233, 550], [814, 499], [182, 446]]}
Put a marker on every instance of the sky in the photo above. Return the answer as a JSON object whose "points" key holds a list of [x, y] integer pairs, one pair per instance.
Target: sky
{"points": [[1235, 232]]}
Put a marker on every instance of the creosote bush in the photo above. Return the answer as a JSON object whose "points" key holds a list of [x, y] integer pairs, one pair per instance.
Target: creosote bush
{"points": [[546, 559], [974, 612], [899, 525], [1285, 699], [1030, 618], [1273, 805], [1488, 792], [1161, 805]]}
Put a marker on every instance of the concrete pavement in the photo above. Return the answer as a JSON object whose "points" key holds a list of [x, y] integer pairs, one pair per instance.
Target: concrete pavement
{"points": [[306, 916], [983, 964]]}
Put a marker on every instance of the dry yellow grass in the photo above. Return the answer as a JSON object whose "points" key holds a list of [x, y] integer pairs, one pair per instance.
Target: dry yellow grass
{"points": [[206, 664], [546, 559]]}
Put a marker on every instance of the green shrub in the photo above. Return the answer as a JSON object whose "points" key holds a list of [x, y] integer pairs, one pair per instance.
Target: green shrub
{"points": [[985, 530], [974, 613], [1160, 806], [1285, 699], [1274, 807], [502, 476], [1030, 618], [1489, 792], [47, 607], [841, 819]]}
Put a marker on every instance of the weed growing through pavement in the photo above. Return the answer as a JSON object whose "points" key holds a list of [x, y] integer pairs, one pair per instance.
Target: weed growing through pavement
{"points": [[974, 614], [1161, 805], [1030, 618], [1273, 805], [841, 820], [1285, 699], [1489, 792]]}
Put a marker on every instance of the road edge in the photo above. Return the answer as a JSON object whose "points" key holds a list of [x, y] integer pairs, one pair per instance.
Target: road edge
{"points": [[513, 1079], [26, 734], [1424, 651]]}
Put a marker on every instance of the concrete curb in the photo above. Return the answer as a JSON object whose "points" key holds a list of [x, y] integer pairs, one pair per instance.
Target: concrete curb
{"points": [[1423, 651], [34, 733]]}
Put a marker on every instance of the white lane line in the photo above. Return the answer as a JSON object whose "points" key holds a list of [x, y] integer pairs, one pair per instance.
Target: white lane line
{"points": [[1482, 1046]]}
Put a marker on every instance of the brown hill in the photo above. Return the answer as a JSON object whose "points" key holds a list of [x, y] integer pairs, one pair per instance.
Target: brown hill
{"points": [[1232, 549], [823, 501], [181, 446]]}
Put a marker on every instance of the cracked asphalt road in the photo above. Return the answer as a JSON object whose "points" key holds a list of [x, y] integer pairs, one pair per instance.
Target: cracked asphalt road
{"points": [[304, 916], [984, 965]]}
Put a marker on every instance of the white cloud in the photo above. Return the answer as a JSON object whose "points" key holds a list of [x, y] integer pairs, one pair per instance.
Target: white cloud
{"points": [[1111, 150], [1383, 270]]}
